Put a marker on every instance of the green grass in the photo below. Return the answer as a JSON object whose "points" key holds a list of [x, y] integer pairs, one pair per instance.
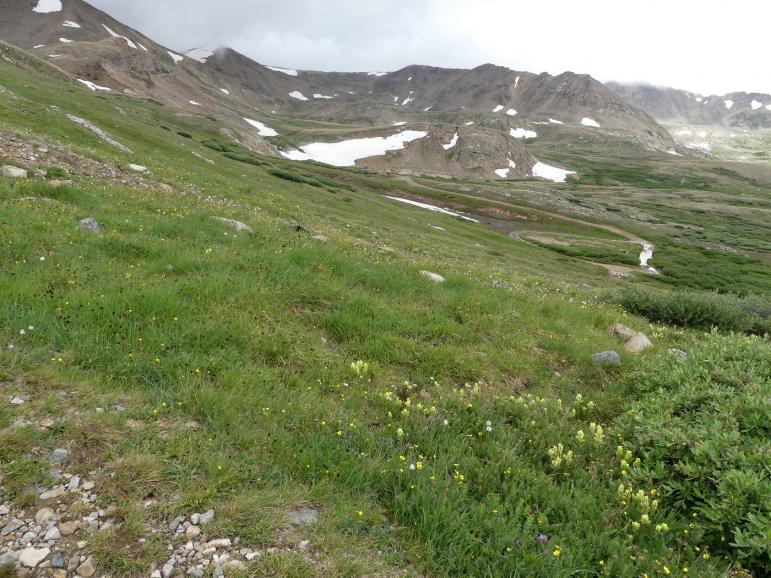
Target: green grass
{"points": [[449, 457]]}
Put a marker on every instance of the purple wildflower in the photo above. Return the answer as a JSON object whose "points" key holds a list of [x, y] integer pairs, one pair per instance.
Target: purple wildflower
{"points": [[543, 539]]}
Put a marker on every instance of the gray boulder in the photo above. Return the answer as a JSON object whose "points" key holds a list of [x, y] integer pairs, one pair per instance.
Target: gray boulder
{"points": [[606, 358], [303, 516], [89, 224], [237, 225], [435, 277], [13, 172]]}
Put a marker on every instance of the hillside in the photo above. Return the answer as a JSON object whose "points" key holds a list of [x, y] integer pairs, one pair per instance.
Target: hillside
{"points": [[495, 112], [218, 361]]}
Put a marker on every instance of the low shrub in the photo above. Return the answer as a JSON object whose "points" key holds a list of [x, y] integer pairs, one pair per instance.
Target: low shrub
{"points": [[698, 309], [56, 173], [216, 146], [244, 158], [294, 177], [184, 134], [700, 428]]}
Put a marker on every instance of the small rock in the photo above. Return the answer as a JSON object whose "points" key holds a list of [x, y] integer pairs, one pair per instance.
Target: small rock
{"points": [[679, 354], [321, 239], [57, 560], [156, 574], [53, 533], [237, 225], [206, 517], [58, 456], [218, 572], [175, 523], [18, 400], [606, 358], [304, 544], [137, 168], [13, 172], [435, 277], [195, 572], [219, 543], [31, 557], [303, 516], [7, 558], [52, 494], [192, 532], [638, 343], [11, 526], [235, 565], [59, 574], [89, 224], [88, 486], [68, 528], [73, 484], [195, 519], [168, 567], [73, 562], [87, 569], [621, 330], [44, 515]]}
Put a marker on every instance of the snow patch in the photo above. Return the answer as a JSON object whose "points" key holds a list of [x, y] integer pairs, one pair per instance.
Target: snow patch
{"points": [[768, 107], [469, 123], [755, 104], [728, 104], [554, 174], [400, 123], [175, 57], [65, 40], [346, 153], [522, 133], [298, 95], [699, 99], [555, 121], [38, 46], [674, 153], [376, 73], [194, 103], [511, 112], [142, 46], [498, 108], [428, 108], [516, 81], [452, 143], [70, 24], [317, 95], [262, 130], [503, 173], [94, 87], [288, 71], [407, 100], [225, 91], [116, 35], [432, 208], [700, 146], [586, 121], [200, 54], [46, 6]]}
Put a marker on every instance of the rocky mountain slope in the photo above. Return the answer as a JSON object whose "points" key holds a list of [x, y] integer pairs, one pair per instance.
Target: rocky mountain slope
{"points": [[478, 122], [736, 109]]}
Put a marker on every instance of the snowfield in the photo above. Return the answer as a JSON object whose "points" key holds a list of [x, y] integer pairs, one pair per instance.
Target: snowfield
{"points": [[225, 91], [755, 104], [346, 153], [376, 73], [116, 35], [94, 87], [70, 24], [452, 143], [550, 173], [298, 95], [503, 173], [46, 6], [728, 104], [200, 54], [432, 208], [400, 123], [65, 40], [317, 95], [262, 130], [555, 121], [511, 112], [522, 133], [586, 121], [288, 71], [498, 108]]}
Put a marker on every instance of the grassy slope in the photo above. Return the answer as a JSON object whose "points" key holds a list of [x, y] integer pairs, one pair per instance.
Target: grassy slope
{"points": [[253, 336]]}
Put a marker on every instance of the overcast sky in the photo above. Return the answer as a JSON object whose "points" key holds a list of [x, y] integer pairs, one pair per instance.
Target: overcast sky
{"points": [[706, 46]]}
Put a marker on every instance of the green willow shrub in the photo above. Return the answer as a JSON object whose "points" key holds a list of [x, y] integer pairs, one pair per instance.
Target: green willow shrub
{"points": [[702, 430], [698, 309]]}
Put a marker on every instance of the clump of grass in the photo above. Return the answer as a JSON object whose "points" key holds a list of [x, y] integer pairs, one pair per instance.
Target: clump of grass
{"points": [[56, 173], [698, 309], [184, 134]]}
